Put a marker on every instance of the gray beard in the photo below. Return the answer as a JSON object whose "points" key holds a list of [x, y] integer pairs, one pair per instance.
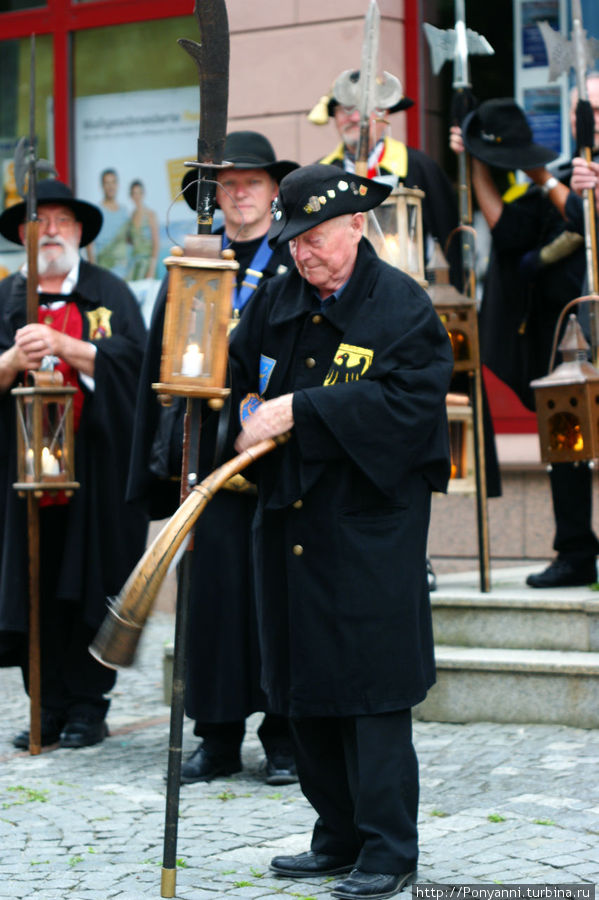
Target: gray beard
{"points": [[62, 265]]}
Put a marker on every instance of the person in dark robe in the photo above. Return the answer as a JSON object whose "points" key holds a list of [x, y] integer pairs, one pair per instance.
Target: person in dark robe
{"points": [[537, 266], [341, 527], [411, 168], [223, 671], [90, 328]]}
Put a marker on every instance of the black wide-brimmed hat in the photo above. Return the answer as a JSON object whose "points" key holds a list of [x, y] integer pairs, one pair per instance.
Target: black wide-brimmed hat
{"points": [[324, 109], [51, 191], [246, 150], [497, 132], [313, 194]]}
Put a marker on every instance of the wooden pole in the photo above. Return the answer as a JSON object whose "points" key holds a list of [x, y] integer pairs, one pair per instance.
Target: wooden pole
{"points": [[34, 663]]}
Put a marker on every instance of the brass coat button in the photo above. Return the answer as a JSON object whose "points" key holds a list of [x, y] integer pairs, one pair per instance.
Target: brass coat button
{"points": [[317, 319], [298, 504], [310, 363], [297, 549]]}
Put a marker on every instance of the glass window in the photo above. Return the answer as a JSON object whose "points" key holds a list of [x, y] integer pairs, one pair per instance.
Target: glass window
{"points": [[135, 123]]}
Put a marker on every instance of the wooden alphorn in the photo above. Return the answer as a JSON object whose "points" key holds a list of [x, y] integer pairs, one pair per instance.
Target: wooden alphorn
{"points": [[116, 642]]}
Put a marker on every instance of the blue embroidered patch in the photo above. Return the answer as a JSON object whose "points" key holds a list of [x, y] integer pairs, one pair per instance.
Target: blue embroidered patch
{"points": [[248, 406], [266, 369]]}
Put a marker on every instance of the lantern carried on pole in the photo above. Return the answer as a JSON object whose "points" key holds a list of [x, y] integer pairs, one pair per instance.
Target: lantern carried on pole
{"points": [[456, 45], [197, 318], [395, 230], [45, 435], [567, 400]]}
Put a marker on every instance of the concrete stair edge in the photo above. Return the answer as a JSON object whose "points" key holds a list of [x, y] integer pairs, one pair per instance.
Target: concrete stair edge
{"points": [[494, 659]]}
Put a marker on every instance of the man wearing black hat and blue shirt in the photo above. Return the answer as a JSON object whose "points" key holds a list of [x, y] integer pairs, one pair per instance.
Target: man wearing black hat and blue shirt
{"points": [[537, 266], [223, 669], [89, 327], [346, 354]]}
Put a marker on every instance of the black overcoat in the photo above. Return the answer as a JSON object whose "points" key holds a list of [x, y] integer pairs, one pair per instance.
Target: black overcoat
{"points": [[105, 536], [341, 527]]}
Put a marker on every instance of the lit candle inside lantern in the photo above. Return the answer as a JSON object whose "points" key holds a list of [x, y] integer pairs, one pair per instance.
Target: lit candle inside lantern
{"points": [[193, 361], [50, 465], [392, 248]]}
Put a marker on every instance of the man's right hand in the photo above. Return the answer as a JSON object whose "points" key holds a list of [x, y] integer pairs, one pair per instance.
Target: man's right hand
{"points": [[585, 175], [456, 142]]}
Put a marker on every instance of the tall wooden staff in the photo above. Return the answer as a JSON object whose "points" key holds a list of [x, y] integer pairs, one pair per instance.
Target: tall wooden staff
{"points": [[212, 59], [456, 44], [579, 53], [26, 168]]}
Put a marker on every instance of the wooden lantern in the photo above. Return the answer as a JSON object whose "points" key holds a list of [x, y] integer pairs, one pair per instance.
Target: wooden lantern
{"points": [[45, 434], [457, 312], [567, 403], [395, 230], [461, 445], [197, 317]]}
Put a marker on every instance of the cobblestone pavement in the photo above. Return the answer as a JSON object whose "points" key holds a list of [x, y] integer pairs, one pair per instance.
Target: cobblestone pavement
{"points": [[499, 803]]}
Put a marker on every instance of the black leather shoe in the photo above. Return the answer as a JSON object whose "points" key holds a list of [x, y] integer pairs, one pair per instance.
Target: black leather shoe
{"points": [[280, 769], [370, 885], [204, 766], [310, 865], [51, 728], [83, 733], [562, 573]]}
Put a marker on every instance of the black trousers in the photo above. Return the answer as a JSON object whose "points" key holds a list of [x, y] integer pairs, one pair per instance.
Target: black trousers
{"points": [[73, 683], [571, 491], [226, 737], [360, 774]]}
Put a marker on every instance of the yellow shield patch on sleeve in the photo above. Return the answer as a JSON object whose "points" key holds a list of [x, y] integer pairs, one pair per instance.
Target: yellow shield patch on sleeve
{"points": [[349, 364], [99, 323]]}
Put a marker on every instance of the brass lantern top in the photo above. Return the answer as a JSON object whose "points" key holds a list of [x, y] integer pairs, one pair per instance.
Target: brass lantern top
{"points": [[575, 367]]}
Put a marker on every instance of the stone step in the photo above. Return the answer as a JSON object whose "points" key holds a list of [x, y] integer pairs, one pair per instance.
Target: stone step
{"points": [[517, 618], [478, 684]]}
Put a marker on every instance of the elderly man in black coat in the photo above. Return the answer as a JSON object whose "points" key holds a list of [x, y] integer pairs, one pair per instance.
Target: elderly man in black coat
{"points": [[90, 325], [347, 354]]}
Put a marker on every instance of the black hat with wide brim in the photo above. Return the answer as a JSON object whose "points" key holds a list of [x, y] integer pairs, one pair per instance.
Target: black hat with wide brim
{"points": [[311, 195], [497, 132], [245, 150], [52, 191]]}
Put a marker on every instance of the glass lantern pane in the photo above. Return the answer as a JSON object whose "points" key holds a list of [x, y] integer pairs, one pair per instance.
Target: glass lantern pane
{"points": [[192, 361], [53, 453], [412, 213], [383, 235], [565, 432], [457, 448]]}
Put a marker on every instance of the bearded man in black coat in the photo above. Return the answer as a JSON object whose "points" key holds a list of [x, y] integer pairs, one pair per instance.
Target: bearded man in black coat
{"points": [[347, 354], [90, 324]]}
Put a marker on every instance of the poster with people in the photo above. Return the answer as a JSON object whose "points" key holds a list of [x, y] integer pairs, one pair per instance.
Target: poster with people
{"points": [[130, 150]]}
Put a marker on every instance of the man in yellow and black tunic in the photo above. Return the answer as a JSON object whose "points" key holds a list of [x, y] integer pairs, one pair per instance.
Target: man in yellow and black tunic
{"points": [[408, 166], [90, 325]]}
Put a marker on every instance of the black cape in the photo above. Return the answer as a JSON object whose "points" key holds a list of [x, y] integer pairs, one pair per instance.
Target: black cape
{"points": [[341, 526], [105, 536]]}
